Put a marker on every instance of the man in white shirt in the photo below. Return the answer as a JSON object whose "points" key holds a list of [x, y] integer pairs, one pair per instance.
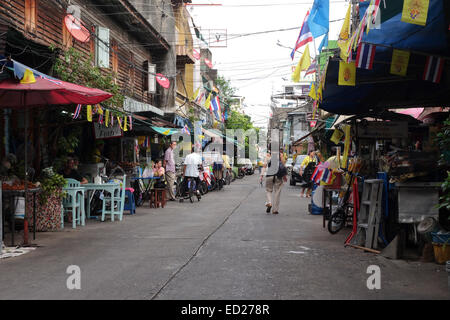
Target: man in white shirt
{"points": [[190, 168]]}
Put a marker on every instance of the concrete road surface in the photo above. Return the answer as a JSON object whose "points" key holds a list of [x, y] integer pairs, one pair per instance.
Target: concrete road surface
{"points": [[224, 247]]}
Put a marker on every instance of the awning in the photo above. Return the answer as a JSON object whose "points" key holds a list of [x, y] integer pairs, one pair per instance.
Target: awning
{"points": [[165, 131], [314, 131], [378, 89]]}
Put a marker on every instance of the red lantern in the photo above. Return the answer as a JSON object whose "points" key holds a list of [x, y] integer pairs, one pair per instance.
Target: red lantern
{"points": [[208, 63], [163, 81], [75, 28], [196, 54]]}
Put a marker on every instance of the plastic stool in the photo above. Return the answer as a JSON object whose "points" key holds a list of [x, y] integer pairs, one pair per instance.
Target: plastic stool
{"points": [[157, 197], [129, 201]]}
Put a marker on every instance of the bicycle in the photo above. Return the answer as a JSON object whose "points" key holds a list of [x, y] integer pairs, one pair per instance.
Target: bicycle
{"points": [[344, 211], [188, 189]]}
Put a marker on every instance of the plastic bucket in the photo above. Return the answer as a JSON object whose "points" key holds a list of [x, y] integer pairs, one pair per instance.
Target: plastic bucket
{"points": [[316, 210], [19, 212]]}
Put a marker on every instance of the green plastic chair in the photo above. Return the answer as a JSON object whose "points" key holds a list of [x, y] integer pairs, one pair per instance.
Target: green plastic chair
{"points": [[73, 201], [119, 202]]}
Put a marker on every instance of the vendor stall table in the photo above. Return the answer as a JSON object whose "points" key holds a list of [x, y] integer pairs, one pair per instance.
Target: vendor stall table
{"points": [[108, 187], [10, 194]]}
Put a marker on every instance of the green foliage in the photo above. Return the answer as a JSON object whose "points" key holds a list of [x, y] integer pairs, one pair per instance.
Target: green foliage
{"points": [[443, 140], [445, 198], [227, 91], [76, 67], [51, 185]]}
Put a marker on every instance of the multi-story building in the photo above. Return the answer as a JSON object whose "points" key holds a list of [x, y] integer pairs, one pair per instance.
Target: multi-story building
{"points": [[290, 110]]}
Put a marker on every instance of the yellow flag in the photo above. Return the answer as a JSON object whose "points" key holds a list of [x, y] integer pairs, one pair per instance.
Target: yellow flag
{"points": [[28, 77], [208, 101], [195, 94], [312, 92], [99, 109], [343, 40], [347, 73], [125, 127], [89, 112], [415, 11], [346, 145], [120, 123], [106, 117], [400, 60], [337, 136], [319, 93], [303, 64]]}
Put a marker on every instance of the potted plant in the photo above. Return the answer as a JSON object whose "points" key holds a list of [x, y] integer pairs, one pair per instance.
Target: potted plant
{"points": [[49, 201]]}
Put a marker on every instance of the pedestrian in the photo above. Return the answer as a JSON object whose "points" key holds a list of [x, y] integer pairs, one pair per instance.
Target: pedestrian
{"points": [[191, 169], [169, 165], [274, 181]]}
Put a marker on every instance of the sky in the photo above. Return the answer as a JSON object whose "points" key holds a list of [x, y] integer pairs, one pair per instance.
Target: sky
{"points": [[255, 64]]}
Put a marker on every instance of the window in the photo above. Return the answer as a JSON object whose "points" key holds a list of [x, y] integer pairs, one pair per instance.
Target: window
{"points": [[30, 15], [114, 56], [150, 78], [66, 38], [102, 47], [289, 90]]}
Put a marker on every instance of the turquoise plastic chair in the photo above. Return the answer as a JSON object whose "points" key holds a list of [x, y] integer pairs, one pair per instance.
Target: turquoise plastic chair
{"points": [[73, 202], [119, 202]]}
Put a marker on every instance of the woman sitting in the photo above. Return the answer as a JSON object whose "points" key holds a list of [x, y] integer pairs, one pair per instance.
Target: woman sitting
{"points": [[158, 171]]}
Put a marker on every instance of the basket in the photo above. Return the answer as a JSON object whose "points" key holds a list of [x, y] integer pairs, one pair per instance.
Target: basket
{"points": [[441, 252]]}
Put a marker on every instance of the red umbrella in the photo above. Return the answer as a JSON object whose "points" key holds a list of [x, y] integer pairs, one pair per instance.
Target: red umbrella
{"points": [[43, 92]]}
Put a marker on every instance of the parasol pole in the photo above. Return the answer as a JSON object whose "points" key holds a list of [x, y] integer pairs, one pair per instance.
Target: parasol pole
{"points": [[25, 221]]}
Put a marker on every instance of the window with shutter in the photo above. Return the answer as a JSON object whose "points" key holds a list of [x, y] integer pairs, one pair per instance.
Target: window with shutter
{"points": [[102, 47], [114, 56], [151, 78]]}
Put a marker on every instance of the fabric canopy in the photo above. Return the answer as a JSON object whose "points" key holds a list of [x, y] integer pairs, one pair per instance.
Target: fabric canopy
{"points": [[378, 89], [165, 131], [43, 92]]}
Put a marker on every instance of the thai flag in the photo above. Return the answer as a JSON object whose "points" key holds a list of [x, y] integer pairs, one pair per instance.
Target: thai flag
{"points": [[365, 55], [186, 130], [304, 37], [433, 69], [77, 112], [312, 68], [326, 177]]}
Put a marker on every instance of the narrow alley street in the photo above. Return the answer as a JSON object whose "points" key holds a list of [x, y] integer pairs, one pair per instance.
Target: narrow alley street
{"points": [[225, 247]]}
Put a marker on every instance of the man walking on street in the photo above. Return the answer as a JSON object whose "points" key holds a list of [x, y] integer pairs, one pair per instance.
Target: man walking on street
{"points": [[169, 164], [274, 181]]}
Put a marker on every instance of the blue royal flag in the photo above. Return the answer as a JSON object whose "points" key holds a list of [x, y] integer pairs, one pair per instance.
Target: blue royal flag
{"points": [[319, 18], [323, 43]]}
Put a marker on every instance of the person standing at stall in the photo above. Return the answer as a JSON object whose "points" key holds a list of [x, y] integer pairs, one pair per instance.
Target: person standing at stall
{"points": [[311, 160], [169, 165]]}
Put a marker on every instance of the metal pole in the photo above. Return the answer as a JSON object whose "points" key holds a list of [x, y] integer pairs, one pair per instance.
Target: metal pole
{"points": [[25, 221], [1, 217]]}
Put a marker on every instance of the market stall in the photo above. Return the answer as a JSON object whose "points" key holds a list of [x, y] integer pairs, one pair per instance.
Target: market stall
{"points": [[35, 91]]}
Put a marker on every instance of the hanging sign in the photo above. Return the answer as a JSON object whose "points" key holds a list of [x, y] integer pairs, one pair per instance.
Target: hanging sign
{"points": [[102, 132], [163, 81], [382, 129], [75, 28]]}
